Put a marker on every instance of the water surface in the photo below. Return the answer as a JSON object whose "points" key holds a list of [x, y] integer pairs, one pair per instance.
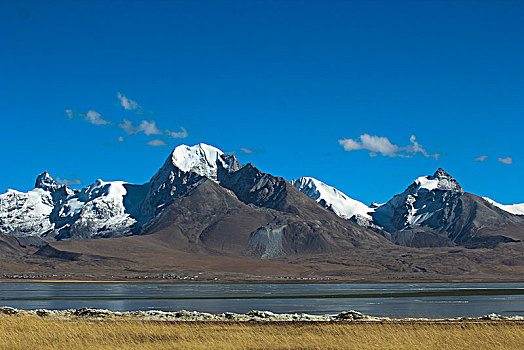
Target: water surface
{"points": [[378, 299]]}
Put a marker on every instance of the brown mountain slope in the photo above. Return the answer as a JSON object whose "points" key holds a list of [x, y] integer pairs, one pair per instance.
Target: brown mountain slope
{"points": [[208, 218], [211, 218], [300, 225]]}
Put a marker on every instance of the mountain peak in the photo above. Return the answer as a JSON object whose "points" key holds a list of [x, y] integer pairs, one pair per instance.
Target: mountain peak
{"points": [[441, 173], [202, 159], [46, 182], [441, 180]]}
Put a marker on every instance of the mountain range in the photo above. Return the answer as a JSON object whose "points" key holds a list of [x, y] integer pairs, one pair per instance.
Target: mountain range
{"points": [[433, 211], [203, 205]]}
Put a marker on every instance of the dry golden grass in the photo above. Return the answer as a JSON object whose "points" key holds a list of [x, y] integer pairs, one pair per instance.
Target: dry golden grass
{"points": [[24, 332]]}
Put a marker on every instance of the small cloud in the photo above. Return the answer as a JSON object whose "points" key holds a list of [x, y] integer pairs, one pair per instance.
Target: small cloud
{"points": [[506, 160], [95, 118], [121, 139], [91, 116], [382, 145], [128, 127], [127, 103], [481, 158], [68, 181], [416, 147], [147, 127], [177, 135], [374, 144], [157, 142]]}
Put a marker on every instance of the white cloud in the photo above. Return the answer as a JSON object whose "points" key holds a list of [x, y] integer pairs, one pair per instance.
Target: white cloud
{"points": [[127, 103], [68, 182], [382, 145], [506, 160], [177, 135], [416, 147], [481, 158], [375, 144], [128, 127], [91, 116], [157, 142], [95, 118], [147, 127]]}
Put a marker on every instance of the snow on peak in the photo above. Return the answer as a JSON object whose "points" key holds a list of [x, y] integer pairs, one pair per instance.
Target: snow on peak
{"points": [[426, 197], [98, 208], [46, 182], [26, 213], [331, 198], [201, 159], [516, 209], [439, 181], [54, 210]]}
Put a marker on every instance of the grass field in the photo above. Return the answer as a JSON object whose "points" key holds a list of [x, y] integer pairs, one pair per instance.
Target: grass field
{"points": [[24, 332]]}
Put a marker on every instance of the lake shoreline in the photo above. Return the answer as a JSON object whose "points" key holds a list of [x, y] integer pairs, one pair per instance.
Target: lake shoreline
{"points": [[259, 281]]}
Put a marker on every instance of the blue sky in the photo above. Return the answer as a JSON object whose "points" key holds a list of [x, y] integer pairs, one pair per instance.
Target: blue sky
{"points": [[329, 89]]}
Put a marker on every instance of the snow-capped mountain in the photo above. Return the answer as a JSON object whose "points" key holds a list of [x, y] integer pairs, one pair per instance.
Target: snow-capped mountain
{"points": [[426, 197], [332, 199], [97, 209], [107, 208], [516, 209], [204, 197], [417, 204], [199, 200], [435, 210], [432, 211], [51, 210], [26, 213], [184, 169], [202, 159]]}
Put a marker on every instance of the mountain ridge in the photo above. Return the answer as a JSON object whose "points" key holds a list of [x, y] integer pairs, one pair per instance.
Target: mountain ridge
{"points": [[307, 215]]}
